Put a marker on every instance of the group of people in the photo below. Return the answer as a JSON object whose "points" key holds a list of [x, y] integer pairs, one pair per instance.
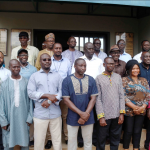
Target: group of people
{"points": [[91, 95]]}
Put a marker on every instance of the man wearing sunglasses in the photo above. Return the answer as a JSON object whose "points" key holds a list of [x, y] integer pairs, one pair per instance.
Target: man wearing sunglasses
{"points": [[32, 51]]}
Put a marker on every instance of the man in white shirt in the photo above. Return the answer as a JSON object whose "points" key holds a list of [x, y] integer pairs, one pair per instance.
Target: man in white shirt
{"points": [[145, 45], [4, 74], [98, 53], [123, 55], [32, 51]]}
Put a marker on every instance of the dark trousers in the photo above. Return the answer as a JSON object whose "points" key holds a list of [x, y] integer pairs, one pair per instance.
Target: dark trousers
{"points": [[1, 141], [80, 138], [132, 128], [147, 134], [114, 130]]}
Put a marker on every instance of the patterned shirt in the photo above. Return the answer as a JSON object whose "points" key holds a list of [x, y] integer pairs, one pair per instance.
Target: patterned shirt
{"points": [[138, 93], [79, 91], [110, 101], [72, 55]]}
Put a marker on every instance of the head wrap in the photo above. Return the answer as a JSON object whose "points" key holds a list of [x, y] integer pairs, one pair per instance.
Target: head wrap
{"points": [[50, 35]]}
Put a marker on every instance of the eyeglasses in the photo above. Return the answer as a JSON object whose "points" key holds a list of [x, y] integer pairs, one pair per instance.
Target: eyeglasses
{"points": [[115, 53], [22, 37], [122, 44], [23, 55], [98, 43], [73, 42], [46, 59]]}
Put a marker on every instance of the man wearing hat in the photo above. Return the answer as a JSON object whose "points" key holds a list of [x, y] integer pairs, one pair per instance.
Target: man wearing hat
{"points": [[119, 64], [49, 41], [32, 51]]}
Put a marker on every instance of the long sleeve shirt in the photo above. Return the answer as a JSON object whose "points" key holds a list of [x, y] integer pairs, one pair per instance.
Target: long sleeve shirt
{"points": [[41, 83], [110, 101]]}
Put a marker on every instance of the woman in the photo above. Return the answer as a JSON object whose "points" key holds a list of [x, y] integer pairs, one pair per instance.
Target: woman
{"points": [[136, 99]]}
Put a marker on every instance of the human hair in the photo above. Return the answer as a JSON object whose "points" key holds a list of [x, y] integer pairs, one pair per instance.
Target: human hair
{"points": [[143, 42], [76, 61]]}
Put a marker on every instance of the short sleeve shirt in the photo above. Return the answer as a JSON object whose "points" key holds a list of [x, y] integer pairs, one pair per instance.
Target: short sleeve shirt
{"points": [[79, 91]]}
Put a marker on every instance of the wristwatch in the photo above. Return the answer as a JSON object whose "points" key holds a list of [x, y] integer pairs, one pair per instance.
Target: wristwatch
{"points": [[49, 102]]}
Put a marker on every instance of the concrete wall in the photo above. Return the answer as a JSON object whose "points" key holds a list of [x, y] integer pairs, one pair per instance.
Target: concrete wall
{"points": [[68, 22]]}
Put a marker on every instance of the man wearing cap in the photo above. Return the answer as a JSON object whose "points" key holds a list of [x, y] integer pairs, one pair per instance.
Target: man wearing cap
{"points": [[123, 55], [50, 40], [32, 51], [119, 64], [98, 53], [72, 54]]}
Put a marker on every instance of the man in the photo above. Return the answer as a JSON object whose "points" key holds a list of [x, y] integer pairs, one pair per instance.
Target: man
{"points": [[72, 54], [26, 69], [123, 55], [145, 73], [110, 106], [50, 40], [145, 45], [119, 64], [98, 53], [44, 87], [44, 45], [32, 51], [94, 67], [4, 74], [61, 65], [15, 110], [79, 94]]}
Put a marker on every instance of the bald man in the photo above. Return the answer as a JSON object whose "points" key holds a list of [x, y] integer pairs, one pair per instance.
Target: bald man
{"points": [[44, 87], [15, 110]]}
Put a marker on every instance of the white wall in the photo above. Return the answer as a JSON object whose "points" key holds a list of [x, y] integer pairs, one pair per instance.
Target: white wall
{"points": [[68, 22]]}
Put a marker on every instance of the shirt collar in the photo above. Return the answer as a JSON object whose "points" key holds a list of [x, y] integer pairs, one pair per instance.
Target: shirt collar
{"points": [[27, 66], [1, 68], [28, 47], [42, 71], [144, 66], [62, 58], [93, 58]]}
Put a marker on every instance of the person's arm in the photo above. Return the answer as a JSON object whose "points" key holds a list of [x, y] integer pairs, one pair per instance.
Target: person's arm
{"points": [[30, 112]]}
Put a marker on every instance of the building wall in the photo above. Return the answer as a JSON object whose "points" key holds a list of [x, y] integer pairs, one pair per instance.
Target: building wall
{"points": [[68, 22]]}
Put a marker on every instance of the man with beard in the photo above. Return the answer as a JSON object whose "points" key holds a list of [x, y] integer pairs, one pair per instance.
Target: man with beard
{"points": [[61, 65], [123, 55], [110, 106], [145, 73], [145, 45], [4, 74], [16, 109], [50, 40], [44, 87], [32, 51], [98, 53], [72, 54], [119, 64]]}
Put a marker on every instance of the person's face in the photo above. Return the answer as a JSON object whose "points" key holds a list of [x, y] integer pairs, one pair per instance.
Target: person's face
{"points": [[45, 61], [23, 57], [15, 68], [97, 45], [80, 67], [1, 59], [135, 71], [89, 50], [146, 58], [146, 46], [44, 45], [115, 55], [121, 45], [50, 42], [23, 40], [109, 65], [57, 49], [72, 42]]}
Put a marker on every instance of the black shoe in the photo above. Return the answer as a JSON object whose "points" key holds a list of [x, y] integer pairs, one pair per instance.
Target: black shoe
{"points": [[66, 141], [94, 144], [31, 143], [80, 145], [48, 145]]}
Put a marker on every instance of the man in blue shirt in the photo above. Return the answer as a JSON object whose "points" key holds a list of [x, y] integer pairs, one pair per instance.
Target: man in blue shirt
{"points": [[145, 73], [61, 65], [79, 93]]}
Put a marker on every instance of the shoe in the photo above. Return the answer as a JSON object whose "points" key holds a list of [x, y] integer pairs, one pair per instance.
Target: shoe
{"points": [[107, 142], [80, 145], [66, 141], [31, 143], [48, 145], [94, 144]]}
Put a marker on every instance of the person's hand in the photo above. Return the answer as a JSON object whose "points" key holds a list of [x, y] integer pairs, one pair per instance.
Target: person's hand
{"points": [[45, 104], [5, 127], [148, 113], [81, 121], [135, 110], [52, 98], [102, 122], [28, 123], [121, 119], [85, 116], [141, 110]]}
